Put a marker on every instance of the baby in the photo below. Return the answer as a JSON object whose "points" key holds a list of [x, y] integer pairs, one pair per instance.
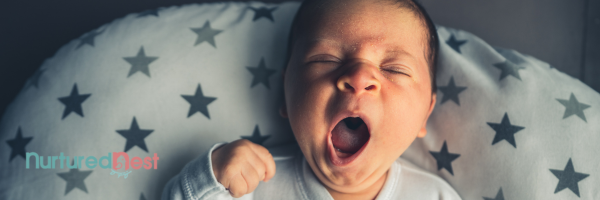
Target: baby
{"points": [[359, 86]]}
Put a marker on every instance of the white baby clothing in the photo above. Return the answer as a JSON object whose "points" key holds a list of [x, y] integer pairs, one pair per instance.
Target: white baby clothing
{"points": [[294, 180]]}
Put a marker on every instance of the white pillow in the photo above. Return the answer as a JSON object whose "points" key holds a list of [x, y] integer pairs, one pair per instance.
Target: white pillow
{"points": [[147, 68], [508, 126]]}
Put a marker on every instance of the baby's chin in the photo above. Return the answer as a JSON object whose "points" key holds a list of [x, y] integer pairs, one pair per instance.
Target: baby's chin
{"points": [[350, 179]]}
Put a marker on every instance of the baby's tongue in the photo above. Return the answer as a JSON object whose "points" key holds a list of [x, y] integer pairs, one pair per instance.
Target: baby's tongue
{"points": [[349, 135]]}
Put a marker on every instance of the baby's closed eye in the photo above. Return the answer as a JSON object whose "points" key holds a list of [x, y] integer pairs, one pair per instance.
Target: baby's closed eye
{"points": [[393, 69], [323, 58]]}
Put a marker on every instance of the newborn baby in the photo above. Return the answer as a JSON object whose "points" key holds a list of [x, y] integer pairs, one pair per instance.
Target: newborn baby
{"points": [[359, 86]]}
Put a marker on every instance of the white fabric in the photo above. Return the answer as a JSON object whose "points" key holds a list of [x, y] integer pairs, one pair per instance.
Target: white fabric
{"points": [[294, 180], [547, 142]]}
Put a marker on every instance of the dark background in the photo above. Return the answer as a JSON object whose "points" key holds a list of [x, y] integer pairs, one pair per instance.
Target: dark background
{"points": [[564, 33]]}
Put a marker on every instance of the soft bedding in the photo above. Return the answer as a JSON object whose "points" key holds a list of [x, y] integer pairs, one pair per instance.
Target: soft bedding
{"points": [[164, 85]]}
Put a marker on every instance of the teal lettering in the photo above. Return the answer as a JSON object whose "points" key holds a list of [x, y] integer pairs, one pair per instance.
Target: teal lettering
{"points": [[80, 159], [108, 158], [62, 159], [54, 158], [37, 159], [74, 162], [49, 162], [90, 162]]}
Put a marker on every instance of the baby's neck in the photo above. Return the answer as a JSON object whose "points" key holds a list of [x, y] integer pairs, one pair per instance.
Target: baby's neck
{"points": [[367, 194]]}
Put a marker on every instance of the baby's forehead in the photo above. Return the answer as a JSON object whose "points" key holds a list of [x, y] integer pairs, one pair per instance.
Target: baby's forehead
{"points": [[372, 22], [385, 48], [388, 38]]}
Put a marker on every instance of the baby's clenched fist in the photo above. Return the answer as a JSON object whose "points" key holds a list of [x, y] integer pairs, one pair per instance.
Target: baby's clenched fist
{"points": [[240, 165]]}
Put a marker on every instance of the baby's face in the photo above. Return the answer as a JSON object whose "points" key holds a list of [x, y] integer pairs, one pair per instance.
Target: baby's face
{"points": [[358, 91]]}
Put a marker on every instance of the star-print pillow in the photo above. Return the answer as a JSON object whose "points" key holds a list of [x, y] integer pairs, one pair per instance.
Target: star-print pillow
{"points": [[508, 126], [171, 82]]}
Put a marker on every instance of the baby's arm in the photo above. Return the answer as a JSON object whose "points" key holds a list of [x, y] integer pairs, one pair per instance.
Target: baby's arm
{"points": [[238, 166]]}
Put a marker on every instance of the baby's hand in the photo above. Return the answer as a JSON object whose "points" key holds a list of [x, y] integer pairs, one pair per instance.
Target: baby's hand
{"points": [[240, 165]]}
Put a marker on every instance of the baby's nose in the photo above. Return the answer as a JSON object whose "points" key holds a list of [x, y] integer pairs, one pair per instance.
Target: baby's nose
{"points": [[358, 79]]}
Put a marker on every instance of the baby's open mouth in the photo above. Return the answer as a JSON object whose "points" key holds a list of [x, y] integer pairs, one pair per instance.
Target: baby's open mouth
{"points": [[349, 135]]}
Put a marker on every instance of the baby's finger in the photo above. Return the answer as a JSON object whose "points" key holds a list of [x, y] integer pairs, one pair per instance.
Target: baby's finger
{"points": [[238, 186], [267, 160], [270, 167], [258, 164], [226, 176], [251, 177]]}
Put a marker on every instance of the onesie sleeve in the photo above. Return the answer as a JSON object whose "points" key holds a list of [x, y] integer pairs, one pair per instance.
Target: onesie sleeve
{"points": [[196, 181]]}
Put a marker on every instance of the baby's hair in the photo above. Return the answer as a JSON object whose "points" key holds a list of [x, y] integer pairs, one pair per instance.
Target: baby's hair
{"points": [[412, 5]]}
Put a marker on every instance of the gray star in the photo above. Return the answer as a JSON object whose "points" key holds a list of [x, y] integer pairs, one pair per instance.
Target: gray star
{"points": [[508, 68], [261, 74], [148, 13], [256, 137], [73, 102], [573, 107], [568, 178], [451, 92], [75, 179], [34, 80], [499, 196], [135, 136], [263, 12], [505, 131], [142, 196], [198, 102], [206, 34], [444, 158], [455, 44], [18, 144], [88, 38], [140, 62]]}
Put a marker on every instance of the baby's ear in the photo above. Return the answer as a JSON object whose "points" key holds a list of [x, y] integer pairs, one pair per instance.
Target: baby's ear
{"points": [[283, 110], [423, 130]]}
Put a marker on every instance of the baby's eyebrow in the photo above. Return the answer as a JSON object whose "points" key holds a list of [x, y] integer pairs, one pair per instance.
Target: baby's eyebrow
{"points": [[324, 42], [399, 52], [389, 54]]}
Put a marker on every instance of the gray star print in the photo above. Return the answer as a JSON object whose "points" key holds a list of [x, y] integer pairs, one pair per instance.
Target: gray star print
{"points": [[256, 137], [263, 12], [573, 107], [454, 43], [505, 131], [73, 102], [508, 68], [140, 62], [451, 92], [261, 74], [206, 34], [198, 102], [444, 158], [568, 178], [18, 144], [135, 136], [499, 196], [88, 38], [75, 179]]}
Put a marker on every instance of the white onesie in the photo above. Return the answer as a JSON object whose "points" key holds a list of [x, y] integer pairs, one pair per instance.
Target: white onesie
{"points": [[294, 180]]}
